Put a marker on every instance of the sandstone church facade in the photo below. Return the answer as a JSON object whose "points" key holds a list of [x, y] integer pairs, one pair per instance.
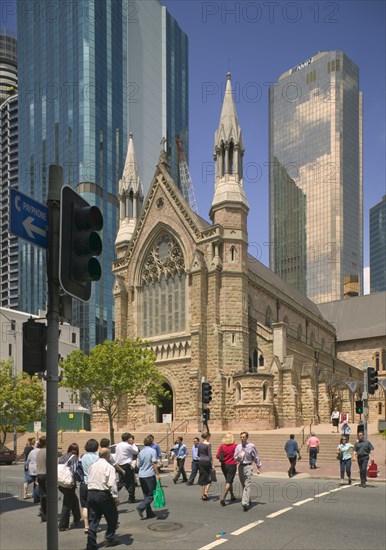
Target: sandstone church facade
{"points": [[211, 311]]}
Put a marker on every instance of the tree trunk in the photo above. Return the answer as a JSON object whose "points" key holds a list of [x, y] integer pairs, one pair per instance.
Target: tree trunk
{"points": [[111, 427]]}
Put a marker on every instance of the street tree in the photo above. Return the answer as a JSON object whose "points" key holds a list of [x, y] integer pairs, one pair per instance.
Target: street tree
{"points": [[21, 398], [114, 371]]}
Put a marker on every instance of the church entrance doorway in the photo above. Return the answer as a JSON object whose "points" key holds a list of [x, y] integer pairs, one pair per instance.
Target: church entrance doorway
{"points": [[167, 404]]}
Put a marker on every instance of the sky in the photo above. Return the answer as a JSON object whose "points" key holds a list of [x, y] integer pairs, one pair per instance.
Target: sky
{"points": [[257, 41]]}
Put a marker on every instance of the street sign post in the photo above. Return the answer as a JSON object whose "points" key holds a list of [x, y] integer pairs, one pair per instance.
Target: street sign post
{"points": [[29, 219]]}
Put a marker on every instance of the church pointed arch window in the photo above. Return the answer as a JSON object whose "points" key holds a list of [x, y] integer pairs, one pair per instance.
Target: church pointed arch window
{"points": [[163, 283], [231, 151], [268, 317]]}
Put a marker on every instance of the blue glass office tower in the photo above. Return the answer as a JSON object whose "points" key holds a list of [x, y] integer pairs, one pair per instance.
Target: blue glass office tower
{"points": [[72, 112], [378, 246], [90, 72]]}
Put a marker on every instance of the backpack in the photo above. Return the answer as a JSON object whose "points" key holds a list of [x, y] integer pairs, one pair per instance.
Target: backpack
{"points": [[66, 477]]}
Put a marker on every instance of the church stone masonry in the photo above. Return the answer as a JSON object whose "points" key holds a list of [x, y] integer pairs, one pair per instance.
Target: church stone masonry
{"points": [[209, 309]]}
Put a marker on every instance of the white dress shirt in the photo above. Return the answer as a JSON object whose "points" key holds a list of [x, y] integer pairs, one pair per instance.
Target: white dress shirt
{"points": [[125, 453], [101, 477]]}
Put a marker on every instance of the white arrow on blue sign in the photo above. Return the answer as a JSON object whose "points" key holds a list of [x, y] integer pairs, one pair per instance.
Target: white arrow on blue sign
{"points": [[29, 219]]}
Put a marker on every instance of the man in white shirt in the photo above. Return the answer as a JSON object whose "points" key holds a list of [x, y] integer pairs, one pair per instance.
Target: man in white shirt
{"points": [[102, 500], [125, 452]]}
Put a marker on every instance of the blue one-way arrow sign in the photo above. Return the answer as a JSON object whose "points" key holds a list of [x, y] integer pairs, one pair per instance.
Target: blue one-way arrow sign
{"points": [[29, 219]]}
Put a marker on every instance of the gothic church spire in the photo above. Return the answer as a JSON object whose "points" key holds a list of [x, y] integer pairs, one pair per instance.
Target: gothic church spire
{"points": [[228, 155]]}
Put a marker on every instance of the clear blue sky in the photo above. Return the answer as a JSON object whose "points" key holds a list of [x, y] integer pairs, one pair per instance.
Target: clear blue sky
{"points": [[258, 41]]}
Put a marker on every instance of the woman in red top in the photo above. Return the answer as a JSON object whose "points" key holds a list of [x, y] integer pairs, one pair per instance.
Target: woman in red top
{"points": [[225, 454]]}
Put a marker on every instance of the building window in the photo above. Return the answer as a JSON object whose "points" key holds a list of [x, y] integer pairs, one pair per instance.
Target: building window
{"points": [[254, 361], [299, 334], [163, 288], [377, 362], [265, 392], [73, 337], [238, 392], [233, 253], [9, 350], [380, 408], [268, 317], [322, 344]]}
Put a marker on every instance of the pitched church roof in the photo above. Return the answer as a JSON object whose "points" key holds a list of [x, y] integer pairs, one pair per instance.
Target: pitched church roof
{"points": [[357, 318], [228, 127]]}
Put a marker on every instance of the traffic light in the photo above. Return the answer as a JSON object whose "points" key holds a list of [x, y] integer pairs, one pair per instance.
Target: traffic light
{"points": [[206, 415], [372, 380], [79, 243], [206, 392], [34, 347], [359, 406]]}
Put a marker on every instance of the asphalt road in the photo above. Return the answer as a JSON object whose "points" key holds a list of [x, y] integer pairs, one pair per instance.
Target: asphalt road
{"points": [[286, 513]]}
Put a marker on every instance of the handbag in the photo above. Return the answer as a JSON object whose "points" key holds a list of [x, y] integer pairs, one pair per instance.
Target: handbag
{"points": [[159, 496], [66, 477], [213, 475]]}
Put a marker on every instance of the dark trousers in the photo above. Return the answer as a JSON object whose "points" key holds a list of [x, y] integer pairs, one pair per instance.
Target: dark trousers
{"points": [[42, 480], [362, 463], [345, 465], [194, 472], [292, 468], [70, 505], [127, 480], [100, 503], [148, 485], [181, 469], [313, 456]]}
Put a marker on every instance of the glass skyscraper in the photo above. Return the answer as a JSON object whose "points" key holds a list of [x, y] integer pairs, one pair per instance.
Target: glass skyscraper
{"points": [[378, 246], [157, 68], [90, 72], [315, 179], [72, 112], [9, 294]]}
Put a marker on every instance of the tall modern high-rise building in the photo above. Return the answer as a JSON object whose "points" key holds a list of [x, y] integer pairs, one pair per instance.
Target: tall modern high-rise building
{"points": [[378, 246], [87, 78], [157, 91], [315, 178], [9, 294]]}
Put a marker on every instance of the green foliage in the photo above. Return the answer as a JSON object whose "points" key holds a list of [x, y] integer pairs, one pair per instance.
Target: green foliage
{"points": [[112, 371], [21, 398]]}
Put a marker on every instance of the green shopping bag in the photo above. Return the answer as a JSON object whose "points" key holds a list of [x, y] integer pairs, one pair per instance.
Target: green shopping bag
{"points": [[159, 496]]}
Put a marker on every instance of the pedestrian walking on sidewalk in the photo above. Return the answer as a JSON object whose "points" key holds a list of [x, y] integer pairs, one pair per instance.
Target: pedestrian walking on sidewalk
{"points": [[313, 449], [335, 415], [148, 476], [362, 454], [102, 500], [125, 453], [205, 461], [345, 430], [344, 455], [226, 456], [180, 451], [194, 471], [246, 454], [292, 450]]}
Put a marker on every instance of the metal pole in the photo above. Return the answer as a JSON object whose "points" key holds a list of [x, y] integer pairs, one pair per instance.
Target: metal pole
{"points": [[365, 401], [53, 203]]}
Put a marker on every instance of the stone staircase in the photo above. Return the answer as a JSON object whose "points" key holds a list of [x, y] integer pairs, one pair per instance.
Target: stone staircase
{"points": [[270, 445]]}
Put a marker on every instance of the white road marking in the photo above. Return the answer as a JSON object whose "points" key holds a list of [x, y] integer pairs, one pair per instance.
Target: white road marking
{"points": [[322, 494], [213, 544], [247, 527], [303, 501], [279, 512]]}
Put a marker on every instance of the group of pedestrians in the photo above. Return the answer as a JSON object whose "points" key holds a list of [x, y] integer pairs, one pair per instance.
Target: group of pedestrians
{"points": [[230, 454]]}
